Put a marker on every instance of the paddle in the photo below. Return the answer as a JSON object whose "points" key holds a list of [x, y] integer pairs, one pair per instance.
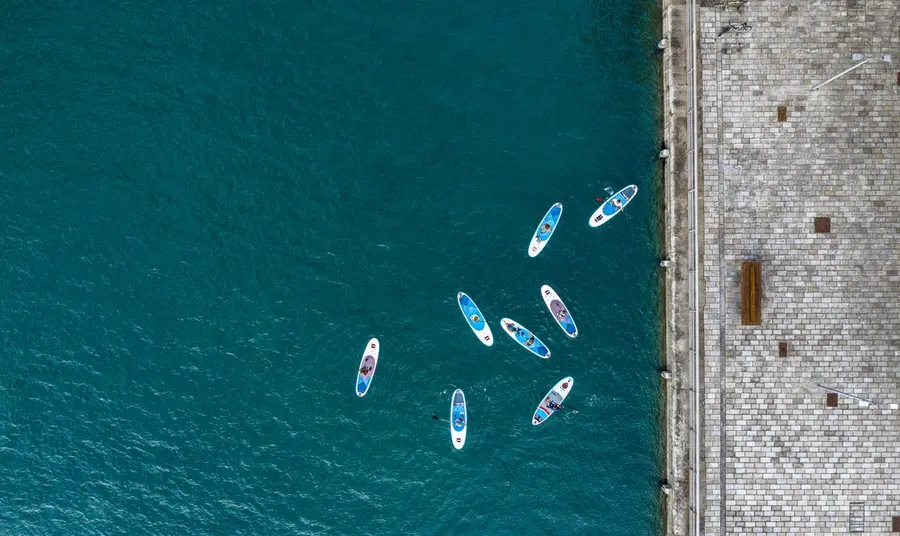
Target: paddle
{"points": [[561, 409], [435, 417]]}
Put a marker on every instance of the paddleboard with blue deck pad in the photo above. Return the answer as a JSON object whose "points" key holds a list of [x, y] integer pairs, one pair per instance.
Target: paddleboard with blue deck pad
{"points": [[559, 311], [525, 338], [554, 397], [541, 234], [367, 365], [613, 206], [459, 419], [475, 319]]}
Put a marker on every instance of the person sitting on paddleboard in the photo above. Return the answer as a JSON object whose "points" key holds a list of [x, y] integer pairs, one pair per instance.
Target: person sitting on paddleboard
{"points": [[545, 229], [552, 405], [365, 370], [562, 314], [617, 203], [474, 318], [459, 422], [530, 341]]}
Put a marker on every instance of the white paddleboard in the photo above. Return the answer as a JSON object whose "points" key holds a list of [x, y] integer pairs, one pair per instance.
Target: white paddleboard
{"points": [[613, 206], [545, 230], [559, 311], [367, 365], [553, 397], [459, 419], [525, 338], [475, 319]]}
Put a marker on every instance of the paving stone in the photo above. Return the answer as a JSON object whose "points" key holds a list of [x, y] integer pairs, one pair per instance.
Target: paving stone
{"points": [[792, 465]]}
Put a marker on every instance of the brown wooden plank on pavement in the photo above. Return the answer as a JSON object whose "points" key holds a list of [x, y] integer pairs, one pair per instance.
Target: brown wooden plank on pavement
{"points": [[751, 293]]}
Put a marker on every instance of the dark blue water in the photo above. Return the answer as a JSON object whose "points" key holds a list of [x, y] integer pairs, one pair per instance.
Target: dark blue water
{"points": [[208, 208]]}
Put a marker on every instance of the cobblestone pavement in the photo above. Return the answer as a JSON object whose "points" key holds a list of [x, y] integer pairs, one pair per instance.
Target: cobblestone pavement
{"points": [[777, 460]]}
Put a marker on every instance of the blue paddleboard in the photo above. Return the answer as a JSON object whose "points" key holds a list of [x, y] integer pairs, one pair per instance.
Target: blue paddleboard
{"points": [[525, 338], [545, 230], [475, 319], [613, 206], [459, 421]]}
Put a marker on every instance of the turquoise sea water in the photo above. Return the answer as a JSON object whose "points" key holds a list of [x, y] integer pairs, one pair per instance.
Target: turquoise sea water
{"points": [[209, 208]]}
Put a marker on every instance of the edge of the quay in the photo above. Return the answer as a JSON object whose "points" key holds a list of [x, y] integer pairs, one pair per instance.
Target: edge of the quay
{"points": [[676, 485]]}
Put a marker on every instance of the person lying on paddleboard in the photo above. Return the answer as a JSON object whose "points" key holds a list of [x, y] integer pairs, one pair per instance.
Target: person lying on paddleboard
{"points": [[551, 404], [544, 230], [516, 331]]}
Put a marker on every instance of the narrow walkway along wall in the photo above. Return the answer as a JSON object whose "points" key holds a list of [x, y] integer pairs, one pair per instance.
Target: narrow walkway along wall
{"points": [[677, 170]]}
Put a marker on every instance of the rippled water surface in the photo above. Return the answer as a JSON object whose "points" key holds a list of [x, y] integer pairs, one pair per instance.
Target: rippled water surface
{"points": [[209, 208]]}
